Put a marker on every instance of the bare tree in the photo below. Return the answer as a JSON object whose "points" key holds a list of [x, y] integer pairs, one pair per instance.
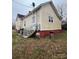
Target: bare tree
{"points": [[62, 10]]}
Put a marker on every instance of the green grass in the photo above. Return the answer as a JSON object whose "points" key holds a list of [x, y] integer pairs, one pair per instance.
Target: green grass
{"points": [[43, 48], [62, 35]]}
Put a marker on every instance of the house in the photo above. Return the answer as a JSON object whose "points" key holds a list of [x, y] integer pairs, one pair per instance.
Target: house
{"points": [[42, 20], [19, 22]]}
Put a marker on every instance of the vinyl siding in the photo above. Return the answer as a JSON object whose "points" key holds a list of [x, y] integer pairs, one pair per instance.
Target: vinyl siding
{"points": [[41, 17], [18, 24], [45, 24], [29, 20]]}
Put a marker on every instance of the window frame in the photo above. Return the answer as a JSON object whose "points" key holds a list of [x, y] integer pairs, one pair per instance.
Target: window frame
{"points": [[50, 19], [33, 19]]}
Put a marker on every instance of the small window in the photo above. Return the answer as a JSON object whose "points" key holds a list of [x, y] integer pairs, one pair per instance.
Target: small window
{"points": [[50, 19], [33, 19], [24, 23]]}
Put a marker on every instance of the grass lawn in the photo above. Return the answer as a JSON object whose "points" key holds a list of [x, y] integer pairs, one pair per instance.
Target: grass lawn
{"points": [[43, 48]]}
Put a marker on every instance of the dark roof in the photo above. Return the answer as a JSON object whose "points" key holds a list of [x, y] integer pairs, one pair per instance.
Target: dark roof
{"points": [[49, 2], [21, 16]]}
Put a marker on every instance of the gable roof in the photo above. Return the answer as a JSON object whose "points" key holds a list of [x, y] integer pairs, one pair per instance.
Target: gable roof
{"points": [[20, 16], [52, 5]]}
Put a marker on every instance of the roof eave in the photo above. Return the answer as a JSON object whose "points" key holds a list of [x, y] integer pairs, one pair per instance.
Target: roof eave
{"points": [[55, 10]]}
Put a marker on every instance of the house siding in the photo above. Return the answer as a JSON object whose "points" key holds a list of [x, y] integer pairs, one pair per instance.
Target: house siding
{"points": [[45, 24], [29, 20], [41, 19], [18, 24]]}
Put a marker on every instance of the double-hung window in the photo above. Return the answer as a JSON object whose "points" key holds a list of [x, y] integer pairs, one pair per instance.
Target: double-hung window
{"points": [[33, 19], [50, 19], [24, 23]]}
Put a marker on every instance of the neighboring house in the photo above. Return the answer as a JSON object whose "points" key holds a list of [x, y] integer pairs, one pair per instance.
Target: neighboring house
{"points": [[44, 19], [19, 22]]}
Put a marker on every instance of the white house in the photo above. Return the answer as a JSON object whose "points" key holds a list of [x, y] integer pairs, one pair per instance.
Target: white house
{"points": [[19, 22], [43, 19]]}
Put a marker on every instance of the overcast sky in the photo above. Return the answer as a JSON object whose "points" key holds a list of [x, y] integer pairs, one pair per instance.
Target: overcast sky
{"points": [[23, 6]]}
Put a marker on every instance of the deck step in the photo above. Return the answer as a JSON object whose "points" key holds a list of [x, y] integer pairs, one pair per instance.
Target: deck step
{"points": [[28, 33]]}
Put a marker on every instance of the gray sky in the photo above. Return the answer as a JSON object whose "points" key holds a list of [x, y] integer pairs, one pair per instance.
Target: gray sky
{"points": [[23, 6]]}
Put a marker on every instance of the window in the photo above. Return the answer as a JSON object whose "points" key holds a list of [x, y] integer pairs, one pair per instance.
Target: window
{"points": [[33, 19], [50, 19], [24, 23]]}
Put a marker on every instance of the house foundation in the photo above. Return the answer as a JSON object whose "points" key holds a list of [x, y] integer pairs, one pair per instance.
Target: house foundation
{"points": [[45, 33]]}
